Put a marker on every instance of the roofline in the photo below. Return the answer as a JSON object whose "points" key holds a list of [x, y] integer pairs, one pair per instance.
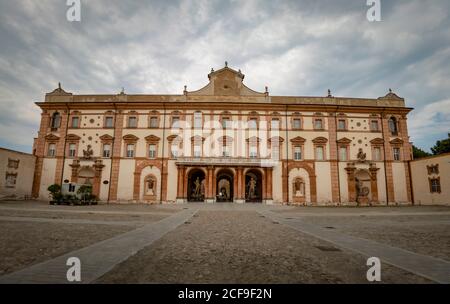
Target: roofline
{"points": [[431, 156], [14, 151]]}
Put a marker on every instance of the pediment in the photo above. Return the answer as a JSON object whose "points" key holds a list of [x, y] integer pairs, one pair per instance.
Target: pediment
{"points": [[254, 139], [226, 82], [377, 141], [175, 138], [152, 138], [344, 140], [52, 137], [298, 140], [59, 92], [276, 139], [106, 137], [73, 137], [130, 137], [391, 95], [320, 140], [396, 141]]}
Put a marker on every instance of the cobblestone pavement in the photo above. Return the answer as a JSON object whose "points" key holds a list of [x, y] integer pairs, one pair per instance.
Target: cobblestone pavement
{"points": [[222, 243]]}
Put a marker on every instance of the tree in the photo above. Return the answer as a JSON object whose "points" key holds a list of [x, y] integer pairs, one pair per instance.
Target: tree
{"points": [[419, 153], [441, 146]]}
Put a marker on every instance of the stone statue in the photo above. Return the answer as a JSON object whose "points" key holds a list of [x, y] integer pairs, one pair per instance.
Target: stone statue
{"points": [[251, 188], [361, 191], [87, 154], [299, 188], [361, 155], [197, 188], [151, 185]]}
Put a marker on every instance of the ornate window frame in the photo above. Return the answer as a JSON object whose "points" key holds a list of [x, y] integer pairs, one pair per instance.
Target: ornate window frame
{"points": [[130, 139], [377, 143], [151, 115], [297, 115], [72, 139], [298, 142], [108, 114], [152, 140], [317, 117], [320, 142], [132, 114], [275, 141], [342, 117], [438, 184], [75, 114], [344, 143]]}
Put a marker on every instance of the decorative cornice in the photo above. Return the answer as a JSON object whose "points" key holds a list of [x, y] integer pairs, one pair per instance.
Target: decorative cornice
{"points": [[52, 137], [275, 139], [106, 138], [344, 140], [396, 141], [298, 140], [130, 138], [377, 141], [152, 138], [73, 137], [320, 140]]}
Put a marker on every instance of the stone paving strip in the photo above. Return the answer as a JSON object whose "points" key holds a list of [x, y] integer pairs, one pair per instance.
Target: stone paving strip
{"points": [[429, 267], [99, 258], [89, 211], [366, 214], [71, 221]]}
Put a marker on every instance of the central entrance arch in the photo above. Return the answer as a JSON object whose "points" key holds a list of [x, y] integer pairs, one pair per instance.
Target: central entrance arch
{"points": [[253, 186], [225, 186], [196, 186]]}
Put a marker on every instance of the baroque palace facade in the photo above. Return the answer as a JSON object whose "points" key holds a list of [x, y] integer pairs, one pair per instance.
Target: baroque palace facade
{"points": [[225, 143]]}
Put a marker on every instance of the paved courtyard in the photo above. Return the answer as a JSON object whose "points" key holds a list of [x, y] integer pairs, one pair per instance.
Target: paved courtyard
{"points": [[222, 243]]}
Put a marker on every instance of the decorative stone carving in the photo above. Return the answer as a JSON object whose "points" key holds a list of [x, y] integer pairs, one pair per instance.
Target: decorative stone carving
{"points": [[88, 153], [361, 156]]}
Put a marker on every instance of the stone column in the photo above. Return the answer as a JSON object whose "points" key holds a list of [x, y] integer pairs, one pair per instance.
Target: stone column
{"points": [[115, 162], [334, 164], [98, 167], [388, 158], [240, 188], [209, 184], [373, 182], [351, 182], [269, 186], [40, 153]]}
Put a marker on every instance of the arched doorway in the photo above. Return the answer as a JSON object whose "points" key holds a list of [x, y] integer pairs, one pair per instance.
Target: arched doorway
{"points": [[86, 175], [224, 186], [362, 186], [253, 186], [196, 186]]}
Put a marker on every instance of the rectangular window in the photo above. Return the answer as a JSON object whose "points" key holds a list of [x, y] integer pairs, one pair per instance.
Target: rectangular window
{"points": [[130, 150], [297, 153], [152, 151], [435, 185], [253, 151], [275, 124], [175, 122], [75, 122], [106, 150], [225, 122], [396, 153], [253, 124], [198, 120], [132, 122], [72, 188], [297, 123], [319, 153], [13, 163], [153, 122], [374, 125], [72, 150], [343, 153], [225, 151], [174, 150], [197, 150], [318, 125], [341, 124], [275, 152], [377, 153], [108, 122], [51, 150], [10, 180]]}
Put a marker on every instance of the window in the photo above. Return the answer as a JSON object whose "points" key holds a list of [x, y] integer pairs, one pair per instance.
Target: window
{"points": [[225, 151], [130, 150], [108, 122], [153, 122], [72, 188], [106, 150], [393, 125], [318, 124], [152, 151], [298, 153], [175, 122], [174, 150], [197, 150], [433, 169], [132, 122], [10, 180], [275, 153], [225, 122], [253, 153], [343, 153], [396, 153], [198, 120], [297, 123], [319, 153], [341, 124], [75, 122], [56, 120], [253, 124], [435, 185], [51, 150], [374, 125], [72, 150], [13, 163], [275, 124], [377, 153]]}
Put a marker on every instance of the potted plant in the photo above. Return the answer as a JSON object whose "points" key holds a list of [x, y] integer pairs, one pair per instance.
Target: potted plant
{"points": [[87, 198], [55, 192]]}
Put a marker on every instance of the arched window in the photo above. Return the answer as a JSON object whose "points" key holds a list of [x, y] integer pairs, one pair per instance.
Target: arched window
{"points": [[393, 125], [56, 120]]}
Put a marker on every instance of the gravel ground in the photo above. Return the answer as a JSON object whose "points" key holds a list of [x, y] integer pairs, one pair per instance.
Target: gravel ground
{"points": [[23, 244], [243, 247], [86, 216], [428, 235]]}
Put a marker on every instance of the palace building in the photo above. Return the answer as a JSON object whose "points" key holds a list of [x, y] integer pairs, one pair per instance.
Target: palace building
{"points": [[226, 143]]}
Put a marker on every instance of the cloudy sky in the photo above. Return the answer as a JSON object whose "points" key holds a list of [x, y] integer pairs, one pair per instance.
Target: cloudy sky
{"points": [[294, 47]]}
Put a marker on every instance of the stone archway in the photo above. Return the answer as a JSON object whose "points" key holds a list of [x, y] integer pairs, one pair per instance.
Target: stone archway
{"points": [[253, 186], [224, 186], [196, 185], [139, 166], [309, 167]]}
